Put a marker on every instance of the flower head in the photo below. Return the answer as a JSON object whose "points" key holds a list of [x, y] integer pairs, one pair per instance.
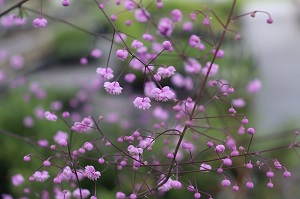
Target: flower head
{"points": [[91, 173], [142, 103], [164, 94], [105, 73], [113, 88]]}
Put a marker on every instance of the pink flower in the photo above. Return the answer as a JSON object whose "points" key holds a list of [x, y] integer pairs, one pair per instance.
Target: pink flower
{"points": [[166, 72], [167, 45], [160, 113], [96, 53], [105, 73], [164, 94], [194, 41], [176, 15], [60, 137], [17, 62], [84, 192], [149, 86], [206, 21], [65, 3], [134, 150], [225, 183], [91, 173], [113, 88], [147, 142], [122, 54], [214, 69], [254, 86], [50, 116], [17, 179], [118, 38], [187, 26], [41, 176], [142, 103], [192, 66], [219, 54], [165, 27], [136, 44], [82, 126], [130, 77], [120, 195], [205, 167], [40, 22], [67, 172], [239, 102], [142, 15], [147, 37], [129, 4]]}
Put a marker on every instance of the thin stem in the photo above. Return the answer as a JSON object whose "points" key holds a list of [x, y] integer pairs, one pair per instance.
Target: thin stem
{"points": [[18, 5]]}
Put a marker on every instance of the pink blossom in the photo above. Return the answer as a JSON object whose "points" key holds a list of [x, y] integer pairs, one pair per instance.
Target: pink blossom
{"points": [[187, 26], [136, 44], [214, 69], [225, 183], [219, 54], [164, 94], [17, 179], [105, 73], [60, 137], [96, 53], [67, 172], [176, 15], [40, 22], [167, 46], [166, 72], [142, 103], [147, 37], [134, 150], [129, 4], [220, 148], [66, 194], [142, 15], [206, 21], [113, 88], [165, 27], [82, 126], [194, 41], [254, 86], [17, 62], [50, 116], [192, 66], [84, 192], [28, 121], [119, 37], [167, 186], [136, 64], [122, 54], [91, 173], [130, 77], [147, 142], [176, 184], [41, 176], [120, 195], [157, 47], [177, 80], [160, 113], [205, 167], [65, 3], [239, 102], [149, 86]]}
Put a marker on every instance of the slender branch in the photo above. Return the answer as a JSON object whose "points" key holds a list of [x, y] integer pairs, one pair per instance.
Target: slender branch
{"points": [[18, 5]]}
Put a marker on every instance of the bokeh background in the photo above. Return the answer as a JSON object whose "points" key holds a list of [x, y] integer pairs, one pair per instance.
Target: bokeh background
{"points": [[52, 63]]}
